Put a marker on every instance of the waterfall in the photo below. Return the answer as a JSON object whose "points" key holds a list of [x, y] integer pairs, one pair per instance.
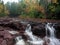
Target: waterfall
{"points": [[34, 39], [53, 39], [29, 32], [51, 29]]}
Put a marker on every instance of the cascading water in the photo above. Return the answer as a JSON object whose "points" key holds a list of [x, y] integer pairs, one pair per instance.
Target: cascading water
{"points": [[53, 39], [29, 33], [51, 30], [34, 40], [19, 41]]}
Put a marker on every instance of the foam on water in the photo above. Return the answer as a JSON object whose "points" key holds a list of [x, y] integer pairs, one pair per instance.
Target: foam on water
{"points": [[53, 39], [19, 41], [13, 32], [34, 40]]}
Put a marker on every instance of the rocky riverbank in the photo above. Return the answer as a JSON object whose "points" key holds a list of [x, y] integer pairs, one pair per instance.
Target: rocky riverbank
{"points": [[11, 28]]}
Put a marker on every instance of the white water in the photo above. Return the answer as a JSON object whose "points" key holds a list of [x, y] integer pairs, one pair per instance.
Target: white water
{"points": [[51, 30], [53, 39], [34, 40], [29, 32], [19, 41], [13, 32]]}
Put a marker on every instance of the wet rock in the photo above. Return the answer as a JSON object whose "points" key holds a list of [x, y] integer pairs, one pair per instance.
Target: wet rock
{"points": [[39, 30], [46, 41], [24, 37], [57, 28]]}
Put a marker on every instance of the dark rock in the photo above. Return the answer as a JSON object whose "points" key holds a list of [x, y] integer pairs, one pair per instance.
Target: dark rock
{"points": [[24, 37], [57, 28], [39, 30], [12, 25]]}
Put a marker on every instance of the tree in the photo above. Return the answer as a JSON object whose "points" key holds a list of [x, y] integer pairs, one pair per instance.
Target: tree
{"points": [[21, 7], [2, 9], [16, 9], [12, 8], [53, 11]]}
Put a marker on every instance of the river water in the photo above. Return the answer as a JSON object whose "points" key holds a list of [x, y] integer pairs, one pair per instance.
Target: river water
{"points": [[34, 40]]}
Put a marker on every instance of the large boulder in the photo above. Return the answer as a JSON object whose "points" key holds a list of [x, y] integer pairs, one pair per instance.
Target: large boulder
{"points": [[38, 29]]}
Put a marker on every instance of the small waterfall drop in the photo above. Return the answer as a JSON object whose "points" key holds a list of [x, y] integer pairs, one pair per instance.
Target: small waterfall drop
{"points": [[51, 30], [53, 39], [29, 32], [34, 39]]}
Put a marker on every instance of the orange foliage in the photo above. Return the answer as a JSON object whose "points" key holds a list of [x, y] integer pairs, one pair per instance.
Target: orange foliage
{"points": [[32, 4]]}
